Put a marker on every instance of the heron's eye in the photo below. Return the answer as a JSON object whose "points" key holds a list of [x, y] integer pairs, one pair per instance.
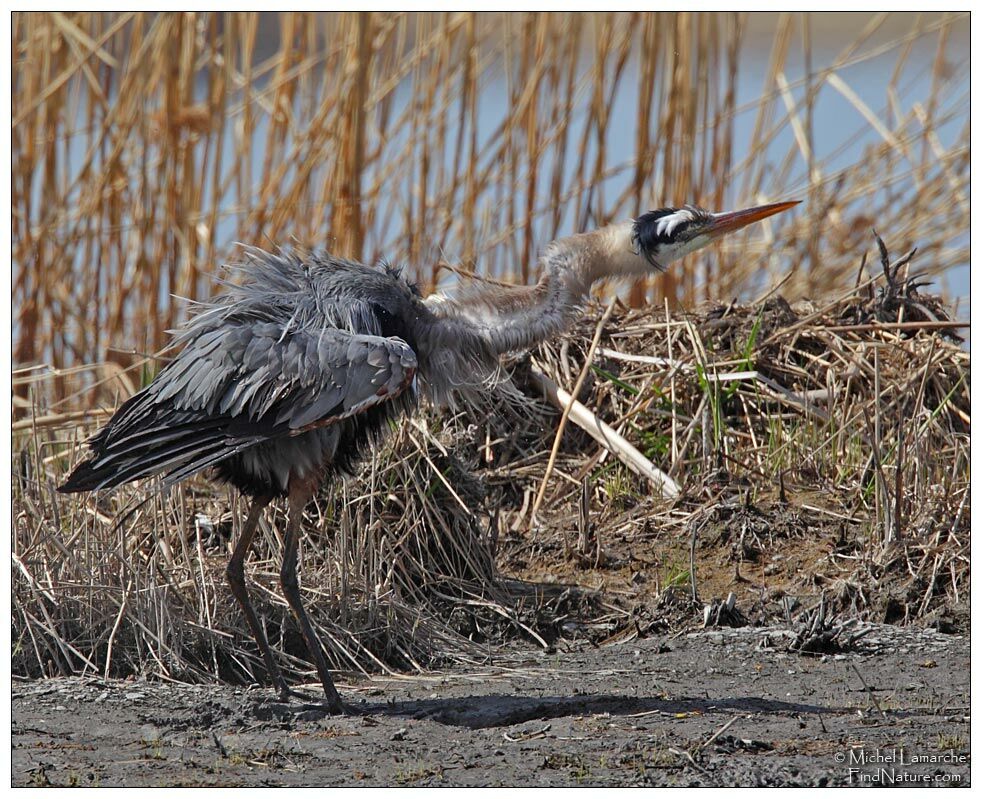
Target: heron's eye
{"points": [[665, 227], [655, 230]]}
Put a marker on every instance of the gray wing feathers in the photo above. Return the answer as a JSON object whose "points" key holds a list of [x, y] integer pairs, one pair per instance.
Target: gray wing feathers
{"points": [[307, 377], [228, 391], [356, 373]]}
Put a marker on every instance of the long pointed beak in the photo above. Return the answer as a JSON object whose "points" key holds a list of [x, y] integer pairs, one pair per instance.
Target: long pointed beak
{"points": [[734, 220]]}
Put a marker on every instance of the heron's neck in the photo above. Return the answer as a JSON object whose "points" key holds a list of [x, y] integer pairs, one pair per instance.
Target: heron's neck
{"points": [[520, 317], [513, 318]]}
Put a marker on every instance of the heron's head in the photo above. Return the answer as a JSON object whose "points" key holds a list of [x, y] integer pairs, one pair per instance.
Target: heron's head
{"points": [[655, 239]]}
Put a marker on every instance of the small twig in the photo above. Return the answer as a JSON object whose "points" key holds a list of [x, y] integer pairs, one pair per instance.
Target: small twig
{"points": [[944, 324], [884, 259], [52, 419], [584, 542], [859, 275], [562, 422], [801, 401], [869, 690], [692, 561], [220, 746], [687, 756], [527, 736], [719, 732], [630, 357], [112, 635]]}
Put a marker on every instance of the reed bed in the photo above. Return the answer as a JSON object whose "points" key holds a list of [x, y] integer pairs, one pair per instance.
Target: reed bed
{"points": [[840, 426], [145, 145], [830, 439]]}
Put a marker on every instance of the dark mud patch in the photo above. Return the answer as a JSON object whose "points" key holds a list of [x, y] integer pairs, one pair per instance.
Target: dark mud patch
{"points": [[714, 707]]}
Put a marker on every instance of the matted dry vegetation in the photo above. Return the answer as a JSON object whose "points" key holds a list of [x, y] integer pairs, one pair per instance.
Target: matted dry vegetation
{"points": [[822, 454]]}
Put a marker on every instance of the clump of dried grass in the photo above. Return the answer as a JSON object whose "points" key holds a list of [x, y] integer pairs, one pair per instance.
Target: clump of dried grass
{"points": [[846, 420], [398, 566]]}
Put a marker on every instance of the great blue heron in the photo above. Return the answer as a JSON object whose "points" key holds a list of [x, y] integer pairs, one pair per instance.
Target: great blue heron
{"points": [[287, 377]]}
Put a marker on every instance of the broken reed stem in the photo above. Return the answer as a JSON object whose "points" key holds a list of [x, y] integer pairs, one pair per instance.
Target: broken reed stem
{"points": [[605, 435]]}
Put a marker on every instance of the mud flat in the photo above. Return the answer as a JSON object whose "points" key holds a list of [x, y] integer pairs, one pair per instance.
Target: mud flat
{"points": [[710, 707]]}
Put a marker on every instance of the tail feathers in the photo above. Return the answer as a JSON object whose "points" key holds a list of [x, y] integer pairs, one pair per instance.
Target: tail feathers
{"points": [[206, 459], [175, 453], [89, 476]]}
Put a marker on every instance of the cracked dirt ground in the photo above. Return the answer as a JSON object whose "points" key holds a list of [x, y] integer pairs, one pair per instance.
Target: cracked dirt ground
{"points": [[713, 707]]}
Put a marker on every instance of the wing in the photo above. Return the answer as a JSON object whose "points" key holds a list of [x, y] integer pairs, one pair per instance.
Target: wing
{"points": [[234, 387], [288, 380]]}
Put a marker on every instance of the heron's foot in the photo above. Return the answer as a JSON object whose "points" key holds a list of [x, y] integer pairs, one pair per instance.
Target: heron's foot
{"points": [[286, 694], [335, 707], [330, 704]]}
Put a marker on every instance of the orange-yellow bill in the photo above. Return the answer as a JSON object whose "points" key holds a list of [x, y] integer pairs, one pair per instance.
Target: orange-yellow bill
{"points": [[734, 220]]}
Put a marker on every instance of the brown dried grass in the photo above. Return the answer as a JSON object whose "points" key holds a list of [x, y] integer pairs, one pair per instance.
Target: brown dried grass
{"points": [[840, 427]]}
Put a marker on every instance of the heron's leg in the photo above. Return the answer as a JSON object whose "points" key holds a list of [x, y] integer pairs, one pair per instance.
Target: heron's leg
{"points": [[235, 574], [298, 497]]}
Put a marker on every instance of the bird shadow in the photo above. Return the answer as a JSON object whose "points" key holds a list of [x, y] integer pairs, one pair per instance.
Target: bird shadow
{"points": [[504, 710]]}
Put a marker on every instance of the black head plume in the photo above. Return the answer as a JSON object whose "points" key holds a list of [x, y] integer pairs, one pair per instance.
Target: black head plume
{"points": [[658, 230]]}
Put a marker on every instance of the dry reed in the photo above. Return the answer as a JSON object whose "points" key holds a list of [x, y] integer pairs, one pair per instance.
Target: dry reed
{"points": [[145, 145]]}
